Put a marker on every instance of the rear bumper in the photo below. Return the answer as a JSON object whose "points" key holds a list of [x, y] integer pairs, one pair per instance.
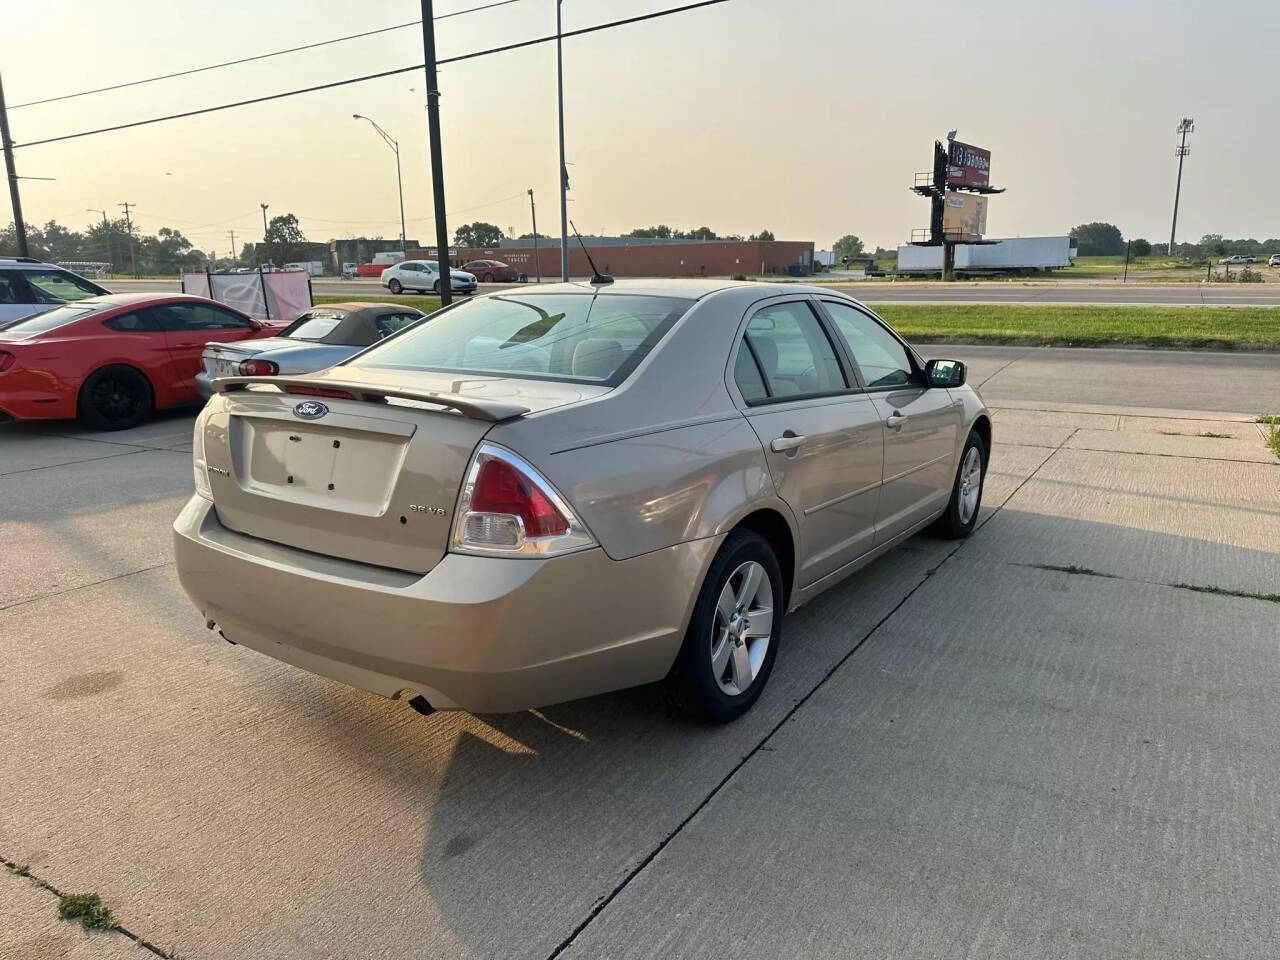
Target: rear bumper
{"points": [[489, 635]]}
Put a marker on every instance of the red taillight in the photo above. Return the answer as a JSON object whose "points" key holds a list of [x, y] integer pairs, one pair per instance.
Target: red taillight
{"points": [[319, 392], [501, 488], [6, 360], [258, 368]]}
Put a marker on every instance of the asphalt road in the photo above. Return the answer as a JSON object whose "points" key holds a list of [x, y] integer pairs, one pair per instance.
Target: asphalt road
{"points": [[1028, 744], [1258, 295]]}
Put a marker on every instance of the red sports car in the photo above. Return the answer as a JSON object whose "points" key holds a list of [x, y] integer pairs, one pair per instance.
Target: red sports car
{"points": [[112, 360]]}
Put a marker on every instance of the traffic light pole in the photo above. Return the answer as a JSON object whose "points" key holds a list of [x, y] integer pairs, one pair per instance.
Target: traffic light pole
{"points": [[19, 224]]}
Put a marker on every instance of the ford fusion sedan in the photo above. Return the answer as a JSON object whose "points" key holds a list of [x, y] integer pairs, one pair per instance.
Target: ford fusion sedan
{"points": [[533, 497], [114, 359], [319, 338], [424, 275]]}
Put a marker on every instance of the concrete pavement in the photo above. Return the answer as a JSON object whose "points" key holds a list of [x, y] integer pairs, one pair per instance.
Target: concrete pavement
{"points": [[1028, 744], [1083, 293]]}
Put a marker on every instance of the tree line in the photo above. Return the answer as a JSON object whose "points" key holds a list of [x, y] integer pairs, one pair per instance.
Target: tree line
{"points": [[164, 252], [1101, 239], [481, 234]]}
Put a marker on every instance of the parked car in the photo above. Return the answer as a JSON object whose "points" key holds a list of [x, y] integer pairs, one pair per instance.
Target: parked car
{"points": [[349, 271], [28, 287], [537, 496], [424, 275], [112, 360], [319, 338], [1238, 258], [492, 271], [1274, 260]]}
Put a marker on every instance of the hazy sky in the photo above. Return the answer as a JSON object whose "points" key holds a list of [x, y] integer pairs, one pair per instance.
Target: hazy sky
{"points": [[807, 118]]}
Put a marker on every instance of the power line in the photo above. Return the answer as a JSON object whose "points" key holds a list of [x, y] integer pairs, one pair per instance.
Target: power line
{"points": [[260, 56], [374, 76]]}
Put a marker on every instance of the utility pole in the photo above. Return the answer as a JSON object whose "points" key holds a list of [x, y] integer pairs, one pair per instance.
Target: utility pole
{"points": [[564, 170], [264, 229], [19, 225], [533, 213], [437, 162], [133, 258], [1186, 126], [234, 256], [106, 234]]}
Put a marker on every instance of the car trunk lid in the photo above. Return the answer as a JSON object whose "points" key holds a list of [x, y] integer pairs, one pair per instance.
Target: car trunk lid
{"points": [[351, 466]]}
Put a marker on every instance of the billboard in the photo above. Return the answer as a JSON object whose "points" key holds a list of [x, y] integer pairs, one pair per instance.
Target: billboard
{"points": [[964, 216], [968, 166]]}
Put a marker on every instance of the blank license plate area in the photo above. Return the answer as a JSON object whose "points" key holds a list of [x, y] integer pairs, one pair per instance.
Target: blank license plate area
{"points": [[346, 470]]}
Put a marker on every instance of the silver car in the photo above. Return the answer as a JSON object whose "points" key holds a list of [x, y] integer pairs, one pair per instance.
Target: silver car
{"points": [[537, 496], [319, 338]]}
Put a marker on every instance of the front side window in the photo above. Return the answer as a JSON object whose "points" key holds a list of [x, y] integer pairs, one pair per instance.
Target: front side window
{"points": [[792, 352], [9, 287], [59, 286], [313, 325], [576, 337], [880, 356]]}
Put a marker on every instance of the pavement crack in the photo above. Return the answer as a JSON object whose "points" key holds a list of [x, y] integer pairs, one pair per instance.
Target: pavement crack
{"points": [[82, 586], [24, 872], [1077, 570], [1003, 367], [72, 463], [762, 746]]}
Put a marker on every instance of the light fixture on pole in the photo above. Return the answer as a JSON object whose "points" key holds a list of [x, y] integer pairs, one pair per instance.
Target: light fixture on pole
{"points": [[1187, 125], [391, 142]]}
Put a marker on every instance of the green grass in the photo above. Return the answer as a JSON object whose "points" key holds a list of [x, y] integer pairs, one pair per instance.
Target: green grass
{"points": [[1075, 569], [1272, 422], [87, 908], [1218, 328], [1143, 268], [425, 304], [1227, 592]]}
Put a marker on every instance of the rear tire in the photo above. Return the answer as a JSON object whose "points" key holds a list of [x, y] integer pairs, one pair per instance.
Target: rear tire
{"points": [[115, 398], [733, 636], [394, 285], [487, 278], [961, 515]]}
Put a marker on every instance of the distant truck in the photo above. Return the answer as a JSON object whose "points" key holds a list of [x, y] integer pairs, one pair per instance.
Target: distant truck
{"points": [[314, 268], [1014, 255]]}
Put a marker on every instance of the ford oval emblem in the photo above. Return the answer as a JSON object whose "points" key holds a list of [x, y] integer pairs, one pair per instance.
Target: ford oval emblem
{"points": [[310, 410]]}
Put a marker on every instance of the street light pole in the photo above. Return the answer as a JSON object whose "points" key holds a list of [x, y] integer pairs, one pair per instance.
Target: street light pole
{"points": [[564, 170], [437, 162], [106, 235], [533, 213], [1186, 126], [19, 224], [395, 146], [264, 229]]}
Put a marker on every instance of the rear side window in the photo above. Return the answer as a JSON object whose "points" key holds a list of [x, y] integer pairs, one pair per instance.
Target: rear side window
{"points": [[59, 286], [588, 338], [196, 317], [10, 287], [746, 373], [793, 351], [390, 323], [132, 323], [57, 317]]}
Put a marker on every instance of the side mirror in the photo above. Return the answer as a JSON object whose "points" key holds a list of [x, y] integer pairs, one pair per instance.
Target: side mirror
{"points": [[945, 373]]}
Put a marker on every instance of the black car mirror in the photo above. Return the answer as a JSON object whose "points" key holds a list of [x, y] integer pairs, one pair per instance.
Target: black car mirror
{"points": [[945, 373]]}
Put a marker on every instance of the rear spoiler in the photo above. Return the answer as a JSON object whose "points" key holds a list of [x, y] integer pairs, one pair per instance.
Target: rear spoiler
{"points": [[475, 408]]}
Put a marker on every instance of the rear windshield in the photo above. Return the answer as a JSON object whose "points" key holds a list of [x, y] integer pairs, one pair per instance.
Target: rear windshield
{"points": [[313, 325], [41, 322], [578, 337]]}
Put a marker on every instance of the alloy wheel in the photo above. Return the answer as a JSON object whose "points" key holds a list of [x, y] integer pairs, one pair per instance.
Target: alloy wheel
{"points": [[742, 629], [970, 484], [116, 398]]}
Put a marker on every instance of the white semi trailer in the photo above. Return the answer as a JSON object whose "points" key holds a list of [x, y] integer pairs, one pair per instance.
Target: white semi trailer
{"points": [[1011, 255]]}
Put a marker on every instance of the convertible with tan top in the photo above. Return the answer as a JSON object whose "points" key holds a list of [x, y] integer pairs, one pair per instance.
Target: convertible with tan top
{"points": [[540, 495]]}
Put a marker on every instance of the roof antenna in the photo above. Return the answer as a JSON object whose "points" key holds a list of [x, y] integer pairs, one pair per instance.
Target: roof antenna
{"points": [[597, 278]]}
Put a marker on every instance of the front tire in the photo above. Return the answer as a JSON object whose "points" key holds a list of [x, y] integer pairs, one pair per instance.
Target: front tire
{"points": [[435, 288], [961, 515], [733, 636], [115, 398], [394, 285]]}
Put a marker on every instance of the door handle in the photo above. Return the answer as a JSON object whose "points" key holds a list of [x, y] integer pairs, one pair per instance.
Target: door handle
{"points": [[183, 346], [895, 421], [787, 442]]}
